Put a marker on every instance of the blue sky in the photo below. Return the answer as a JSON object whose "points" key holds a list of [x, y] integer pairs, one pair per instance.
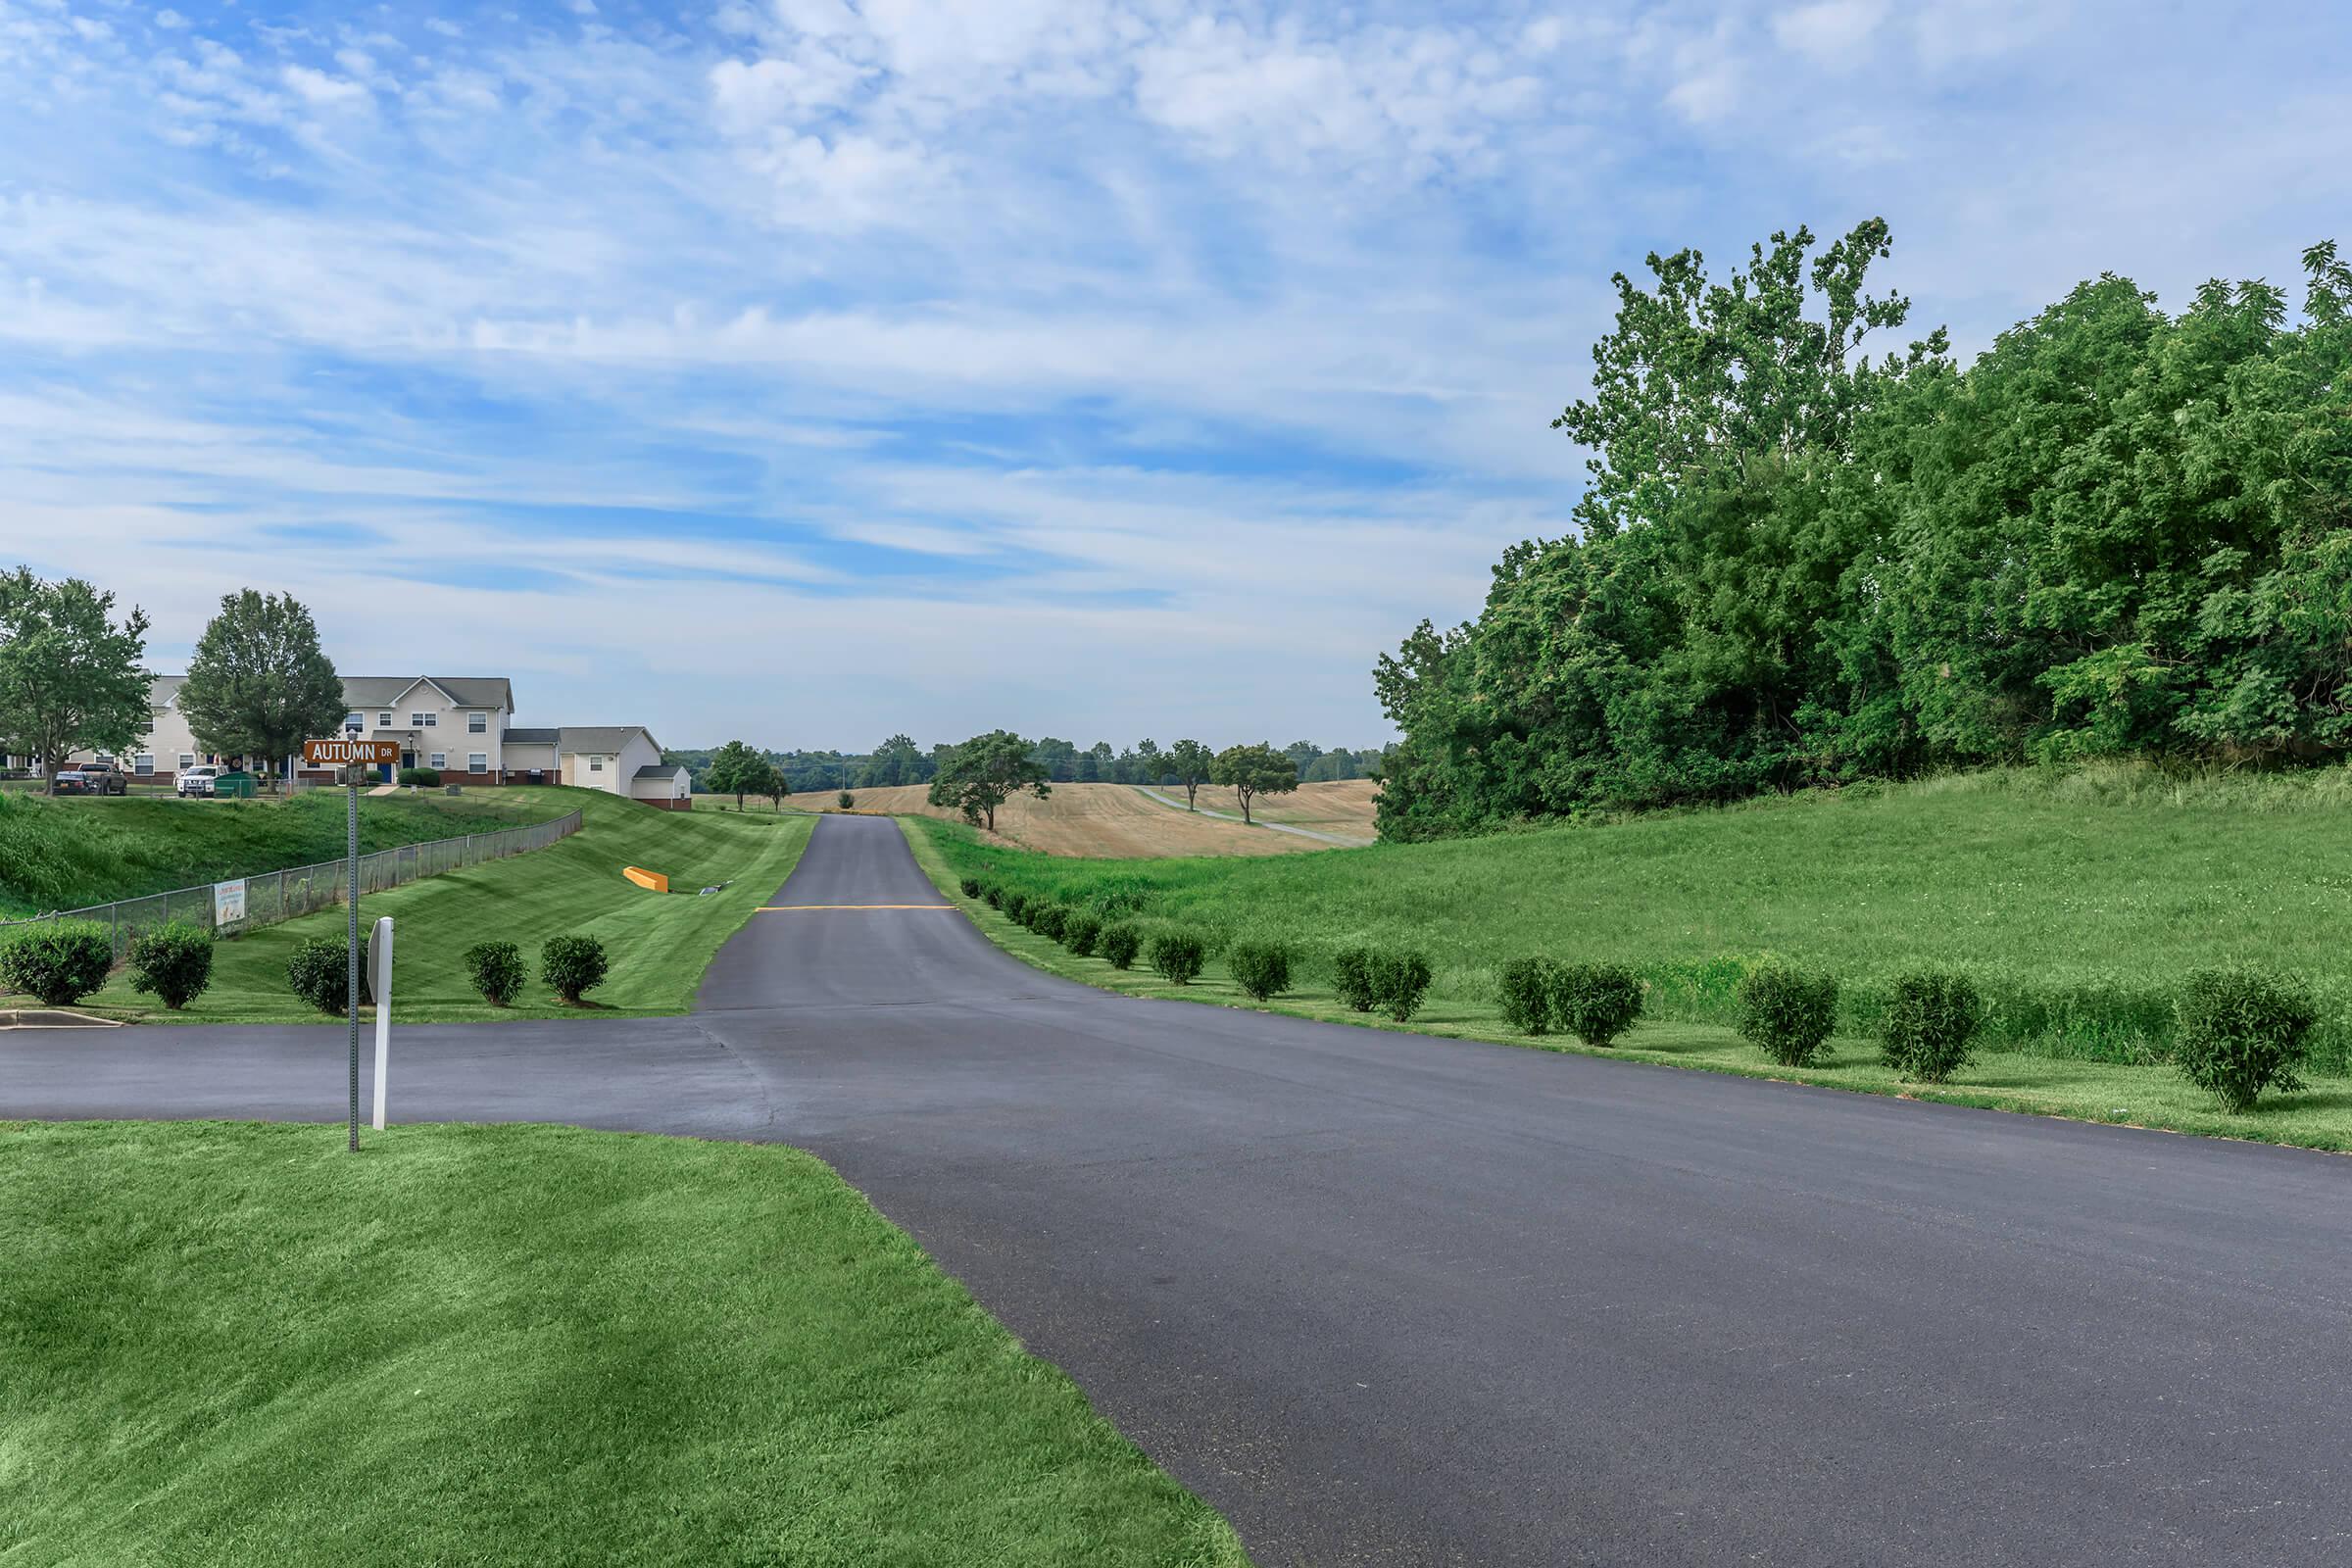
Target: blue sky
{"points": [[812, 371]]}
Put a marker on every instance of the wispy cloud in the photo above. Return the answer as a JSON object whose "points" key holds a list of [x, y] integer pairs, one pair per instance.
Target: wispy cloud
{"points": [[823, 366]]}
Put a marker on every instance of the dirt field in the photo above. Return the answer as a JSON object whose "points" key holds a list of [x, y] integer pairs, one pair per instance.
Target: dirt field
{"points": [[1114, 821], [1344, 809]]}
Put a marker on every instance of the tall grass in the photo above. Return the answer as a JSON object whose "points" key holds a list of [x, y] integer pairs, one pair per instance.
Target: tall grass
{"points": [[2074, 899]]}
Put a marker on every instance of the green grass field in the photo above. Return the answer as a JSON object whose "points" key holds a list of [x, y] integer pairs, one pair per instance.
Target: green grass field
{"points": [[659, 943], [2076, 903], [226, 1344], [78, 851]]}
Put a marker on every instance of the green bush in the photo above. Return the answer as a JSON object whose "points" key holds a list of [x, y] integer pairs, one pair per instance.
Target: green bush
{"points": [[1016, 907], [1262, 969], [422, 777], [173, 963], [993, 896], [1121, 944], [846, 799], [1178, 956], [573, 965], [1526, 985], [317, 971], [1399, 981], [1045, 919], [2242, 1030], [1788, 1013], [1352, 978], [60, 961], [1929, 1019], [496, 970], [970, 886], [1595, 1002], [1080, 931]]}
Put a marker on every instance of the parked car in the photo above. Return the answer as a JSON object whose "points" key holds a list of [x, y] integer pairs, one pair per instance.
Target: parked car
{"points": [[197, 781], [94, 779]]}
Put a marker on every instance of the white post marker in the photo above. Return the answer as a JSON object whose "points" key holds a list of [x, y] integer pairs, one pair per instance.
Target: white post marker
{"points": [[380, 980]]}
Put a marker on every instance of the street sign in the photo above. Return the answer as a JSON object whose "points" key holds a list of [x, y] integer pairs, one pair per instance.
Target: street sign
{"points": [[347, 753]]}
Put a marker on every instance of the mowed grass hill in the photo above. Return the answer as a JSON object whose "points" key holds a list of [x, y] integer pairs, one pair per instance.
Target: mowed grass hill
{"points": [[1121, 820], [2075, 901]]}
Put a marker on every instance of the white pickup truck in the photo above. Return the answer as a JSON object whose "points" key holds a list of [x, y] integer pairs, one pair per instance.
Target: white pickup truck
{"points": [[196, 780]]}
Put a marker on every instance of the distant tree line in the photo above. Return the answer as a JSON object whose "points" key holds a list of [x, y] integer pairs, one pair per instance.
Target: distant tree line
{"points": [[2117, 533], [899, 760]]}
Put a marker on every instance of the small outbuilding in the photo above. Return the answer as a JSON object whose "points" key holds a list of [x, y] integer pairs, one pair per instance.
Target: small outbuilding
{"points": [[663, 784]]}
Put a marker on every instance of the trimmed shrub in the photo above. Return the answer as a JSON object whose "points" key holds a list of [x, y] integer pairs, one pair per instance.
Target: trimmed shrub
{"points": [[970, 886], [317, 972], [1121, 944], [1080, 931], [1178, 956], [1788, 1013], [1016, 907], [1930, 1017], [846, 799], [573, 965], [2242, 1030], [421, 777], [993, 896], [1595, 1002], [1399, 981], [1262, 969], [1526, 985], [1045, 919], [173, 963], [1352, 978], [496, 970], [60, 961]]}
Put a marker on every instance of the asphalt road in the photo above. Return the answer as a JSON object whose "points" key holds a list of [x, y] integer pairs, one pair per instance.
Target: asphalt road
{"points": [[1393, 1300]]}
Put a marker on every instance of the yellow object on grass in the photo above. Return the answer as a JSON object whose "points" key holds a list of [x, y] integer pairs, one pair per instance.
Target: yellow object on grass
{"points": [[646, 879]]}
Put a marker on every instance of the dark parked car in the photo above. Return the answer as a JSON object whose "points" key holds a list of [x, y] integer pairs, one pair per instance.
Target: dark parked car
{"points": [[95, 780]]}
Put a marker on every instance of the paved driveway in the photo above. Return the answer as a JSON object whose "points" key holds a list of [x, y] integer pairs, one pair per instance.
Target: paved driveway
{"points": [[1393, 1300]]}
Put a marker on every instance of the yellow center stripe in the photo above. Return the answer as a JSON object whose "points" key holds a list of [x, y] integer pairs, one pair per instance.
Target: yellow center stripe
{"points": [[786, 909]]}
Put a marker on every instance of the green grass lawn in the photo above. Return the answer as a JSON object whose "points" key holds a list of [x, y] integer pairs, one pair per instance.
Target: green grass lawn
{"points": [[226, 1344], [2076, 902], [2066, 1081], [77, 851], [659, 943]]}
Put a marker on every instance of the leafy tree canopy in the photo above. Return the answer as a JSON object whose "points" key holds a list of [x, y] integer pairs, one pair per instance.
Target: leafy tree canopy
{"points": [[69, 673], [1254, 770], [258, 684], [985, 772], [738, 770]]}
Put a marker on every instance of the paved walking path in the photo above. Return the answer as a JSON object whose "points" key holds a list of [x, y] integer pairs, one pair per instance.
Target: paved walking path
{"points": [[1390, 1299]]}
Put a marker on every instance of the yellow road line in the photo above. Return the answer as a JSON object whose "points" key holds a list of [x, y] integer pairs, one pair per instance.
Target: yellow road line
{"points": [[785, 909]]}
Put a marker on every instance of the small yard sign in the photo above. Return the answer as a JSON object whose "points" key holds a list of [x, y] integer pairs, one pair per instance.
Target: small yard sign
{"points": [[228, 903], [347, 753]]}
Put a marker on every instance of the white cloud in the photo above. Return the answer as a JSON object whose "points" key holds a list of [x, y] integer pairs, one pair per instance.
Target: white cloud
{"points": [[320, 90], [1830, 32]]}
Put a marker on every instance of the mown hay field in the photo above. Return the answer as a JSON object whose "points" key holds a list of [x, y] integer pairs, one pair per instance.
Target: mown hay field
{"points": [[1120, 822]]}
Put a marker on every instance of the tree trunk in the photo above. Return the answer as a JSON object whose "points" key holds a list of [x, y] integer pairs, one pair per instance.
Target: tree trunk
{"points": [[991, 820]]}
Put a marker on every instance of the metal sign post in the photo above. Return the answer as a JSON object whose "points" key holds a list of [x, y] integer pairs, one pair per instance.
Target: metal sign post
{"points": [[379, 982], [349, 753]]}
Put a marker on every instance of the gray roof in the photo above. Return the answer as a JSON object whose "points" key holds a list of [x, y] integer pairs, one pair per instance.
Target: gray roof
{"points": [[660, 770], [529, 737], [604, 739], [163, 690], [466, 691]]}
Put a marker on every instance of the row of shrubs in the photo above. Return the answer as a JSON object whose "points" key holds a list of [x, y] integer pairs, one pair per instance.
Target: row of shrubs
{"points": [[1370, 979], [62, 962], [2238, 1030]]}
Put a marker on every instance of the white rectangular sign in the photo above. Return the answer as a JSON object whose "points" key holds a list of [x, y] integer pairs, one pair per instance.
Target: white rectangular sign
{"points": [[228, 903]]}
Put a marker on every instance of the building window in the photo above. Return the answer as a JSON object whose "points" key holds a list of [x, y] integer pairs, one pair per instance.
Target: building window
{"points": [[353, 721], [187, 759], [477, 762], [477, 724], [424, 720], [596, 764], [143, 764], [383, 721], [440, 760]]}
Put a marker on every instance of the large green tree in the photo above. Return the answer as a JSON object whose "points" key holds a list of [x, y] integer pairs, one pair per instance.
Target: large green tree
{"points": [[1254, 770], [258, 684], [739, 769], [1190, 762], [71, 673], [985, 772]]}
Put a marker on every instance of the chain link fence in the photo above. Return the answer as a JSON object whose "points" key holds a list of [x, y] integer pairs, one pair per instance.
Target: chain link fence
{"points": [[276, 895]]}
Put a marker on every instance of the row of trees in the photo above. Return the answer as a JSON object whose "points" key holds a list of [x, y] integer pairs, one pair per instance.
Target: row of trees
{"points": [[73, 674], [898, 761], [2116, 533], [987, 771]]}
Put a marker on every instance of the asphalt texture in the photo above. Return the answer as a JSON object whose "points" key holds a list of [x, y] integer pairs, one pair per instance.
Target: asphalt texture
{"points": [[1390, 1299]]}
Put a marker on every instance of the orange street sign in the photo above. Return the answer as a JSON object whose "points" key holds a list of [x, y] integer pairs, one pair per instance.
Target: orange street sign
{"points": [[341, 754]]}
